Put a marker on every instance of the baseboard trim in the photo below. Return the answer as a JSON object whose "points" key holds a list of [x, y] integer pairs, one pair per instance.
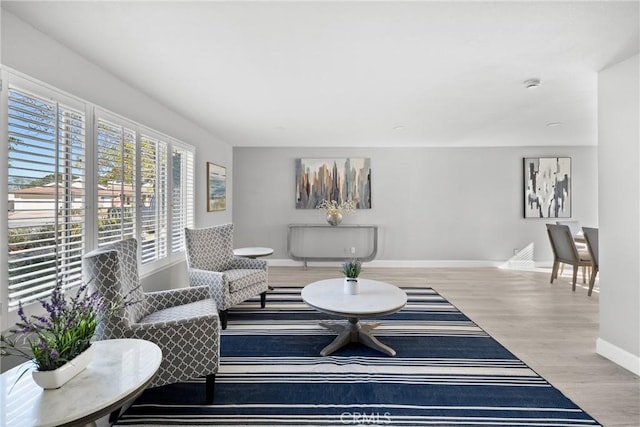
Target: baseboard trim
{"points": [[621, 357], [391, 263]]}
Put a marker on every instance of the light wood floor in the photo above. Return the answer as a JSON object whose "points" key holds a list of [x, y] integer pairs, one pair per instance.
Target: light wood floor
{"points": [[549, 327]]}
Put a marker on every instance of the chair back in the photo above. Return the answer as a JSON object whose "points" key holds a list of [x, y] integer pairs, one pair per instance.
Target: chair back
{"points": [[562, 242], [112, 271], [574, 226], [591, 237], [210, 248]]}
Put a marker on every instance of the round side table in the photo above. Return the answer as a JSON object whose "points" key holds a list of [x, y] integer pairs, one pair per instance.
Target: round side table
{"points": [[120, 371]]}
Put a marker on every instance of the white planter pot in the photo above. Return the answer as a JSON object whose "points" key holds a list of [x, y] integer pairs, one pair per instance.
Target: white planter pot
{"points": [[58, 377], [350, 286]]}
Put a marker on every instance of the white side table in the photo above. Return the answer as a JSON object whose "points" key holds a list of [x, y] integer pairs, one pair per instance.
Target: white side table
{"points": [[374, 299], [253, 252], [120, 370]]}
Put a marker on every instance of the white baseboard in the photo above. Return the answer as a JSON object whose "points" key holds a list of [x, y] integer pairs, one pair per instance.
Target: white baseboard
{"points": [[391, 263], [618, 356]]}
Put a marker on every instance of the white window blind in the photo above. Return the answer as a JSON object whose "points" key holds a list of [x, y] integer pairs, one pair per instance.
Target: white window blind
{"points": [[181, 196], [116, 165], [46, 195], [141, 186], [153, 191]]}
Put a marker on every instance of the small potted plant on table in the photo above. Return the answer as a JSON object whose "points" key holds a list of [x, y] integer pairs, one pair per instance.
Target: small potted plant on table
{"points": [[59, 341], [351, 270]]}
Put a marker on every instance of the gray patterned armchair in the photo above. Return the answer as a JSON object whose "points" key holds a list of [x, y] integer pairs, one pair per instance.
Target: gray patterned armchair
{"points": [[232, 279], [182, 322]]}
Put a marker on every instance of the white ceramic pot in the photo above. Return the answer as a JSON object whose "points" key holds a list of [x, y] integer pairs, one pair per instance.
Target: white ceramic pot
{"points": [[58, 377], [350, 286]]}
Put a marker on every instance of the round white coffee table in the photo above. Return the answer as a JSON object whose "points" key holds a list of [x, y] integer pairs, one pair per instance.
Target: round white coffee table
{"points": [[120, 370], [373, 300]]}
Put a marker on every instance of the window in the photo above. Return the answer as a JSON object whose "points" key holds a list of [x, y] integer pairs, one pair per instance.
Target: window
{"points": [[181, 196], [116, 163], [140, 185], [46, 190], [153, 173]]}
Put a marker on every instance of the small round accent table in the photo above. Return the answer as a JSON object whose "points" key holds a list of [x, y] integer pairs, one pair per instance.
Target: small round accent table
{"points": [[252, 252], [374, 299], [120, 370]]}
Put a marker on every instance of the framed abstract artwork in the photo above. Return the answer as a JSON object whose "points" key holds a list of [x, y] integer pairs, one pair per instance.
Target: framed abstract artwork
{"points": [[339, 179], [216, 187], [547, 187]]}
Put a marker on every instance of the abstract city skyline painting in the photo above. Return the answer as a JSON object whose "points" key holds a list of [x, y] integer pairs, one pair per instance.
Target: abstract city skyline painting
{"points": [[547, 187], [339, 179]]}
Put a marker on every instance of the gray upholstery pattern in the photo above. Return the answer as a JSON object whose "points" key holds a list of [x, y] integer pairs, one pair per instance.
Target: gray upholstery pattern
{"points": [[231, 279], [210, 248], [182, 322]]}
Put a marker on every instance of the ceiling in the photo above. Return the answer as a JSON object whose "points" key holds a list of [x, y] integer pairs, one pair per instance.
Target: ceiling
{"points": [[419, 73]]}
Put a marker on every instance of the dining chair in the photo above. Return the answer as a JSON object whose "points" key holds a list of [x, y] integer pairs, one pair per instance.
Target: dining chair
{"points": [[573, 225], [591, 238], [578, 238], [565, 251]]}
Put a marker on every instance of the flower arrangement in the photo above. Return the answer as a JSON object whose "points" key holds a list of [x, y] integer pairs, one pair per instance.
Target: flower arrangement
{"points": [[334, 210], [332, 207], [60, 335], [351, 269]]}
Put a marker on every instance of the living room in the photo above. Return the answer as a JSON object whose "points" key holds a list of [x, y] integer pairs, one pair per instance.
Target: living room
{"points": [[447, 166]]}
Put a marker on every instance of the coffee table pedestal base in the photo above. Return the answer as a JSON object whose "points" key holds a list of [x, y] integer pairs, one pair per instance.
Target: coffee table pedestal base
{"points": [[354, 331]]}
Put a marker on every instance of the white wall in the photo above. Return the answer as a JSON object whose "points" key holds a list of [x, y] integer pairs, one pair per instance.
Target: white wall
{"points": [[619, 211], [29, 51], [432, 204]]}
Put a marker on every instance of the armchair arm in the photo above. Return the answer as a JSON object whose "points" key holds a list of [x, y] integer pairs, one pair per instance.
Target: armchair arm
{"points": [[164, 299], [199, 278], [145, 330], [249, 263]]}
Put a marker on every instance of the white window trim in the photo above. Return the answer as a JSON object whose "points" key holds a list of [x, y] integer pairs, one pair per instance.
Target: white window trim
{"points": [[10, 77]]}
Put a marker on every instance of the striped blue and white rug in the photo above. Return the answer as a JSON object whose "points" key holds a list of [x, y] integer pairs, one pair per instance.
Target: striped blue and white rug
{"points": [[447, 372]]}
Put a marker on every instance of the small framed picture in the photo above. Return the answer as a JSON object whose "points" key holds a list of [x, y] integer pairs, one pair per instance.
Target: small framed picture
{"points": [[216, 187]]}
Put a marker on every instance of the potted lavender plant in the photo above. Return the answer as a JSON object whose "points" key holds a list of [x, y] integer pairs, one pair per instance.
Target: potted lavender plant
{"points": [[59, 342]]}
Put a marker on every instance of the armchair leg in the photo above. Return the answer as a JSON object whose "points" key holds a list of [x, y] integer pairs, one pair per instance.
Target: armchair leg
{"points": [[223, 318], [114, 415], [210, 387], [263, 299]]}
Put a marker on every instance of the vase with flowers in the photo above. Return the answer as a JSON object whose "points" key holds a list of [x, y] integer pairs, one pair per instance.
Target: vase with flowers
{"points": [[351, 270], [58, 342], [334, 209]]}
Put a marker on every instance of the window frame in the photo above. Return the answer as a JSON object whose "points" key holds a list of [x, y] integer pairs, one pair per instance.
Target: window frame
{"points": [[11, 79]]}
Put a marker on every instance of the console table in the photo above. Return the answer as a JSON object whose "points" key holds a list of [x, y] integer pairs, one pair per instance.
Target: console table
{"points": [[331, 228]]}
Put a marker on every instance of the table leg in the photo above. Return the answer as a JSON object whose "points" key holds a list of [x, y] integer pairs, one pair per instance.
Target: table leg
{"points": [[372, 342], [354, 331]]}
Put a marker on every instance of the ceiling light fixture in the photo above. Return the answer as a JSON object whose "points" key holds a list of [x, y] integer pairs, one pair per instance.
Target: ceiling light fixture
{"points": [[398, 127], [532, 83], [553, 124]]}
